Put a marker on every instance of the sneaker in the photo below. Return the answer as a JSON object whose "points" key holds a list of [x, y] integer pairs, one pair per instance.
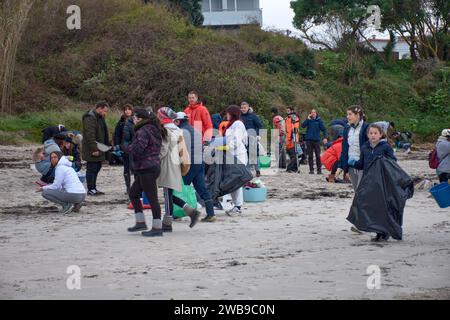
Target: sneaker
{"points": [[311, 172], [66, 208], [380, 238], [99, 193], [194, 218], [40, 183], [77, 207], [356, 230], [139, 226], [209, 219], [92, 192], [166, 228], [153, 233], [233, 212], [319, 172]]}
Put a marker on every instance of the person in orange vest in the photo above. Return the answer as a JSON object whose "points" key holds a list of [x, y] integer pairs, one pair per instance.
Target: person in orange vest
{"points": [[199, 116], [292, 123]]}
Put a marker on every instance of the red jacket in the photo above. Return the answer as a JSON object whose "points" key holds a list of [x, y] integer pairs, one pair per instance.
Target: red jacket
{"points": [[292, 123], [332, 154], [199, 113]]}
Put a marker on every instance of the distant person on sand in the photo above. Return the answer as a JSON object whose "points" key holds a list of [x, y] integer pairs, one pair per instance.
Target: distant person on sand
{"points": [[123, 135], [94, 130], [292, 137], [66, 190], [443, 153], [70, 150], [199, 116], [253, 125], [279, 124], [314, 125], [41, 158]]}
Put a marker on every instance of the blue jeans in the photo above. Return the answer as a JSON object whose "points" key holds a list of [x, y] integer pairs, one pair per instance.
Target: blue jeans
{"points": [[196, 176]]}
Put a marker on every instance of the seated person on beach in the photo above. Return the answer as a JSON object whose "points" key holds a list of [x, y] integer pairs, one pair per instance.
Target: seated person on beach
{"points": [[50, 132], [41, 159], [66, 190]]}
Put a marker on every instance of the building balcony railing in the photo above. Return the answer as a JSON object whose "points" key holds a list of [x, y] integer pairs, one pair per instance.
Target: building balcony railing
{"points": [[231, 17]]}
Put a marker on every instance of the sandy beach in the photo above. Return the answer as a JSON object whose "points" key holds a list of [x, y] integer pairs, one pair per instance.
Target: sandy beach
{"points": [[296, 245]]}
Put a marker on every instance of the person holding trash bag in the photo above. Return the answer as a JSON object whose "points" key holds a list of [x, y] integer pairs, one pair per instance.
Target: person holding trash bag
{"points": [[196, 174], [384, 188], [174, 156], [144, 151], [230, 172], [443, 154]]}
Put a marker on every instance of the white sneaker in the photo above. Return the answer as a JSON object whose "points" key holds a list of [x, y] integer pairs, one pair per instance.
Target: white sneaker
{"points": [[233, 212]]}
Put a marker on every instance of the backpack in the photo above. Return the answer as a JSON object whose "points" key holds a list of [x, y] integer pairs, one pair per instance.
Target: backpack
{"points": [[433, 160]]}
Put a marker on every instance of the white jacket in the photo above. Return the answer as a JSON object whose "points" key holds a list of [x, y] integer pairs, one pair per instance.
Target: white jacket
{"points": [[237, 139], [66, 178], [170, 176]]}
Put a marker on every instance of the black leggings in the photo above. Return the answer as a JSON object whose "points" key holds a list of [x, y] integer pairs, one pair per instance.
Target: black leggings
{"points": [[146, 182], [335, 167]]}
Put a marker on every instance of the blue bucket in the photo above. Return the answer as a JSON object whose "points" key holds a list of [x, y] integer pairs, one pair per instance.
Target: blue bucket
{"points": [[255, 194], [441, 194]]}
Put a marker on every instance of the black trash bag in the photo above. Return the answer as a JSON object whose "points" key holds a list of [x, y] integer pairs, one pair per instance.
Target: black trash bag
{"points": [[381, 198], [223, 178]]}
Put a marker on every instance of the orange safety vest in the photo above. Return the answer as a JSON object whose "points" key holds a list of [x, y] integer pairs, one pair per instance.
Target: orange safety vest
{"points": [[292, 122]]}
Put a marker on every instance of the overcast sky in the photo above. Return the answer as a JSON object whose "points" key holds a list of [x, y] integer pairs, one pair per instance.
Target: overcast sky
{"points": [[277, 14]]}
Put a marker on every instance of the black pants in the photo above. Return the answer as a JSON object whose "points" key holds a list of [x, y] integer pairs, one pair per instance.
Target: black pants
{"points": [[92, 170], [292, 165], [444, 177], [146, 182], [313, 147], [335, 167]]}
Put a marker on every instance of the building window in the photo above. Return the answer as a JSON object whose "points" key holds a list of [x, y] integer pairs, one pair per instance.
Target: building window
{"points": [[205, 6], [216, 5], [245, 5], [231, 5]]}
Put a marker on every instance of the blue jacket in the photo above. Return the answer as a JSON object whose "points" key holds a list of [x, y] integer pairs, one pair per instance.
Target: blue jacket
{"points": [[216, 119], [368, 154], [251, 121], [314, 126], [343, 162]]}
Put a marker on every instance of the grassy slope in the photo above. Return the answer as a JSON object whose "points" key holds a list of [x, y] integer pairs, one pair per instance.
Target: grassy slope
{"points": [[128, 52]]}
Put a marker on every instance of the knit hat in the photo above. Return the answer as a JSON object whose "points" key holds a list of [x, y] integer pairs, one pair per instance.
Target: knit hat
{"points": [[181, 116], [141, 113], [166, 114], [445, 133]]}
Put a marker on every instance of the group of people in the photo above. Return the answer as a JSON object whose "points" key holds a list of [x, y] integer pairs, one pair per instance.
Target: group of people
{"points": [[165, 149]]}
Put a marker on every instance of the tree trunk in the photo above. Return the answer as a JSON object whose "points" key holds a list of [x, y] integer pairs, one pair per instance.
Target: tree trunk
{"points": [[13, 18]]}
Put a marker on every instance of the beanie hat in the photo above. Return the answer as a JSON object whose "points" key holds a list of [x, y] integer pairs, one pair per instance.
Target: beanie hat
{"points": [[141, 113]]}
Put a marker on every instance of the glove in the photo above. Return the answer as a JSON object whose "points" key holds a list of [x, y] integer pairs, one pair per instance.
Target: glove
{"points": [[222, 148], [351, 162], [118, 153]]}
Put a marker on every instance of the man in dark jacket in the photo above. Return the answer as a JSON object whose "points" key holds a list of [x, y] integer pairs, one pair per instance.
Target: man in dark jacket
{"points": [[50, 132], [253, 125], [94, 130], [314, 125], [196, 174]]}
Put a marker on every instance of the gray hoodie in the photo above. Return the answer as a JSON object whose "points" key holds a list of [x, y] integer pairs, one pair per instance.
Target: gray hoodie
{"points": [[443, 152]]}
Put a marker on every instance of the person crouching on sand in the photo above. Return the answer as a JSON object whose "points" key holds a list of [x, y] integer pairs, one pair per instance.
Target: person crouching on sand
{"points": [[66, 190]]}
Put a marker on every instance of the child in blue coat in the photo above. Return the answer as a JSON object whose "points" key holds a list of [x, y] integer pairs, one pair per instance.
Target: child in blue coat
{"points": [[377, 146]]}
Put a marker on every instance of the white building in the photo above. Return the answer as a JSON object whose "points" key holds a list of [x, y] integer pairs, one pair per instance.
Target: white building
{"points": [[401, 50], [231, 13]]}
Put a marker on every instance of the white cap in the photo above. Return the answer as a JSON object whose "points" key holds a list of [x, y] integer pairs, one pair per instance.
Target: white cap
{"points": [[181, 116], [445, 133]]}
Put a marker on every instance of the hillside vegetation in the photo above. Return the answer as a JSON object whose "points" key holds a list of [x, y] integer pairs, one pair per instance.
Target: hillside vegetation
{"points": [[127, 52]]}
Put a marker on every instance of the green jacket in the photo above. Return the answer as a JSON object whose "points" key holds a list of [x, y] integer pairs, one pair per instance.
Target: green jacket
{"points": [[94, 129]]}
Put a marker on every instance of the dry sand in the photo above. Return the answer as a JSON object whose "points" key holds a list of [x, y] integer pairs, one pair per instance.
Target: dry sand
{"points": [[296, 245]]}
